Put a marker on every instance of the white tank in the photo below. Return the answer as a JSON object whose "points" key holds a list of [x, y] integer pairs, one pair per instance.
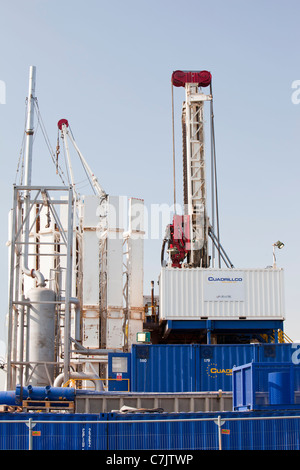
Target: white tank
{"points": [[41, 334]]}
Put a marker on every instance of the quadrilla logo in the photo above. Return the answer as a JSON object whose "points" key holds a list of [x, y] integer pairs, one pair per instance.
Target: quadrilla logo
{"points": [[213, 371], [224, 279], [296, 354]]}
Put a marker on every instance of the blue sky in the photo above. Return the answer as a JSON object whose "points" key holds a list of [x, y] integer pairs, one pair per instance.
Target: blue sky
{"points": [[106, 67]]}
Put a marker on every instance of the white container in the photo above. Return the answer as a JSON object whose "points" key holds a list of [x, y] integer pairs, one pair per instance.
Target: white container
{"points": [[193, 293]]}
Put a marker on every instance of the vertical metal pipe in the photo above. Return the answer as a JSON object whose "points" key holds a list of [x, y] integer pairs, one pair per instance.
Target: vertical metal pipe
{"points": [[21, 343], [208, 329], [30, 426], [68, 288], [17, 289], [28, 172], [29, 126], [27, 343], [220, 432], [11, 293], [152, 301], [28, 161]]}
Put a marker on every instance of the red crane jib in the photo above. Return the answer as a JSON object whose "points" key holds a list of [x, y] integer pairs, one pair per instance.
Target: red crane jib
{"points": [[180, 78]]}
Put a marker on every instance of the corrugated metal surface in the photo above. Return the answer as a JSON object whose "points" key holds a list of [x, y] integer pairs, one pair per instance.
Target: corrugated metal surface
{"points": [[65, 435], [181, 402], [282, 352], [173, 434], [178, 368], [214, 293], [163, 368], [182, 431], [152, 431], [214, 364]]}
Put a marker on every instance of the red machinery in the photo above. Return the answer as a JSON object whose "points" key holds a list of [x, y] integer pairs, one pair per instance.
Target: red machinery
{"points": [[180, 78], [187, 236], [178, 239]]}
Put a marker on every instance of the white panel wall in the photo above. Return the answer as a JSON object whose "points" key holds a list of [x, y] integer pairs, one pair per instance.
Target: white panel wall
{"points": [[90, 328], [90, 253], [229, 294], [115, 268], [136, 253], [135, 268], [114, 332], [90, 271], [90, 268], [114, 272]]}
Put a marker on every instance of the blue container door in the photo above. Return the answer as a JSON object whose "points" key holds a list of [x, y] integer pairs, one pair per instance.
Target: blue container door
{"points": [[279, 388], [119, 372], [163, 368], [214, 364]]}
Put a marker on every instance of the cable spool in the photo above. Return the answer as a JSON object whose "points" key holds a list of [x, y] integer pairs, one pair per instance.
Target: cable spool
{"points": [[61, 122]]}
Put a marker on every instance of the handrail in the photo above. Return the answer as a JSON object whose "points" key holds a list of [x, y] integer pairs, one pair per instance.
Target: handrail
{"points": [[72, 381], [282, 337]]}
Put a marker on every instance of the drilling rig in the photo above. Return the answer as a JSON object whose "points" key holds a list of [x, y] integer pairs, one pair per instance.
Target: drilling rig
{"points": [[200, 300]]}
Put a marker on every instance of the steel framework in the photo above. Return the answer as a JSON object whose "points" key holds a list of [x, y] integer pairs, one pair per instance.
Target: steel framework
{"points": [[42, 201], [195, 177]]}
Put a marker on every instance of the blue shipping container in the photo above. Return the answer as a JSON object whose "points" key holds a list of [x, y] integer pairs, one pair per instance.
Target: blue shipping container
{"points": [[163, 368], [193, 368], [182, 368], [260, 386]]}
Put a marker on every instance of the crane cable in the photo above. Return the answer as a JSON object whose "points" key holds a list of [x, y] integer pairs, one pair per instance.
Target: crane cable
{"points": [[53, 155], [83, 166], [214, 177], [21, 154], [173, 140]]}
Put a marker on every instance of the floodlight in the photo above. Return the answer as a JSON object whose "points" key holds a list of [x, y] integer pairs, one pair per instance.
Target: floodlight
{"points": [[279, 245]]}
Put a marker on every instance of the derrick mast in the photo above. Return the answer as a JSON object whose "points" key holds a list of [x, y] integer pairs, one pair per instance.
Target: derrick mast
{"points": [[194, 174], [187, 236]]}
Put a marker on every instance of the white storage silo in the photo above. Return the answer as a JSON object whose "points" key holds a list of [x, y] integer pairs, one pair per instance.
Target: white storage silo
{"points": [[41, 337]]}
